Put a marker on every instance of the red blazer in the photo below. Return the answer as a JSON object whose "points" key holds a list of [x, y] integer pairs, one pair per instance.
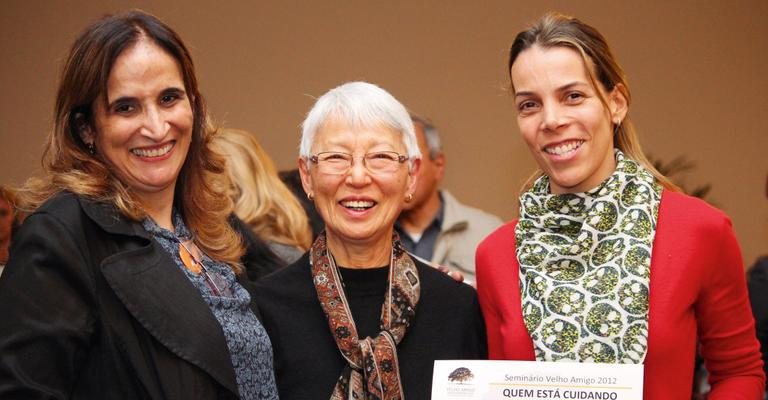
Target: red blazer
{"points": [[697, 282]]}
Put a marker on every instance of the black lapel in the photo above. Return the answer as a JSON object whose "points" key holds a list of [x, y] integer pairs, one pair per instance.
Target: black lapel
{"points": [[158, 295], [110, 220]]}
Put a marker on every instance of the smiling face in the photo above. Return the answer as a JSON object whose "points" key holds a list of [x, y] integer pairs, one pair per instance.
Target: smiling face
{"points": [[144, 131], [562, 120], [358, 207]]}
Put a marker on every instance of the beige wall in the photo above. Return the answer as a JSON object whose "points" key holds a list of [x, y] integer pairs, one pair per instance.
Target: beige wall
{"points": [[697, 70]]}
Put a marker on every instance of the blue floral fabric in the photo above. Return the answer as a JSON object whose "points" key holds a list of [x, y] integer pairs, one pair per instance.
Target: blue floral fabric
{"points": [[248, 343]]}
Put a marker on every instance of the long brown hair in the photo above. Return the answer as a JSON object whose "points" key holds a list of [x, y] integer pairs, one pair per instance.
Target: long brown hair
{"points": [[68, 165], [553, 30]]}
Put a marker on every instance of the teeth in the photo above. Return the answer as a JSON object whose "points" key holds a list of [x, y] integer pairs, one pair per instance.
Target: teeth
{"points": [[357, 204], [564, 148], [157, 152]]}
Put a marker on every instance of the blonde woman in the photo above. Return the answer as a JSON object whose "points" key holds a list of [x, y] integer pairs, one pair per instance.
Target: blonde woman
{"points": [[261, 199]]}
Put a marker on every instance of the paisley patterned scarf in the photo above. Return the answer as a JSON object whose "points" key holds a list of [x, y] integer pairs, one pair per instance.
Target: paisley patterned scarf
{"points": [[373, 372], [585, 266]]}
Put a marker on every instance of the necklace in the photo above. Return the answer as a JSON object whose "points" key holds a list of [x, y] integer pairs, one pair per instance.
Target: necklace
{"points": [[194, 263], [189, 259]]}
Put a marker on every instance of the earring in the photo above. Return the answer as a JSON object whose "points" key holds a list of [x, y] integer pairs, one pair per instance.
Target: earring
{"points": [[91, 148], [408, 197], [311, 196], [616, 125]]}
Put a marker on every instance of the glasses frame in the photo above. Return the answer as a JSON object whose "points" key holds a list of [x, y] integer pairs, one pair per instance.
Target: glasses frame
{"points": [[315, 158]]}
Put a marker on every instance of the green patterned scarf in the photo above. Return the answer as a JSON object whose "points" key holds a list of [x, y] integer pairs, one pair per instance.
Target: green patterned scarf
{"points": [[585, 266]]}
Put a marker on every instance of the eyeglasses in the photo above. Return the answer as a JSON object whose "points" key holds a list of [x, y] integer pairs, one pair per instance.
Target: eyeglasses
{"points": [[193, 262], [338, 163]]}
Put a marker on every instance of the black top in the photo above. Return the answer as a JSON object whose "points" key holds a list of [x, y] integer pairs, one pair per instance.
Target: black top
{"points": [[448, 325], [365, 290]]}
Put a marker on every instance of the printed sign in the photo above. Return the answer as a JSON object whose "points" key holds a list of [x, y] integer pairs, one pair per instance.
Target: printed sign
{"points": [[533, 380]]}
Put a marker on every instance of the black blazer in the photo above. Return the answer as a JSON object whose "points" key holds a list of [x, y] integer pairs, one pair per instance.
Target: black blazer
{"points": [[92, 307]]}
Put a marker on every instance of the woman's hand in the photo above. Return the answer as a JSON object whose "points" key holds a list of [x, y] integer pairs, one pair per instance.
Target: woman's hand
{"points": [[456, 275]]}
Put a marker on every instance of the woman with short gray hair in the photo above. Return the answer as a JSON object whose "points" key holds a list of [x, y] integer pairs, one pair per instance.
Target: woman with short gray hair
{"points": [[358, 317]]}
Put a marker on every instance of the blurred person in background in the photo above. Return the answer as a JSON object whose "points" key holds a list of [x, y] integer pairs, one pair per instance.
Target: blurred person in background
{"points": [[261, 199], [9, 222], [434, 225]]}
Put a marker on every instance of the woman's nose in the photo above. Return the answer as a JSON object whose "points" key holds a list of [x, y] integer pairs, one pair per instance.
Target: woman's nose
{"points": [[553, 117], [155, 125], [358, 174]]}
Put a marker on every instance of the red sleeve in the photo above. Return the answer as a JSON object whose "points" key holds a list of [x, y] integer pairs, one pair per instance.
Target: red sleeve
{"points": [[498, 288], [485, 293], [726, 327]]}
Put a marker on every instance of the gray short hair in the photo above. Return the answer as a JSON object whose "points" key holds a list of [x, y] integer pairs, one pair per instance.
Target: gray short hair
{"points": [[431, 135], [359, 104]]}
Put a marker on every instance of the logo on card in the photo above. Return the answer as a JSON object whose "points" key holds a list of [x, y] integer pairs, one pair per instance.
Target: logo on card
{"points": [[461, 375], [460, 384]]}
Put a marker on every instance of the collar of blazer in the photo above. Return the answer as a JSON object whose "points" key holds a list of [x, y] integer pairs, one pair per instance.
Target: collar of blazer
{"points": [[160, 297]]}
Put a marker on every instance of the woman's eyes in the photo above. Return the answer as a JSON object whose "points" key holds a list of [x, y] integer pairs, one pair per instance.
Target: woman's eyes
{"points": [[169, 98], [574, 96], [382, 155], [124, 108], [129, 106], [335, 156], [526, 105]]}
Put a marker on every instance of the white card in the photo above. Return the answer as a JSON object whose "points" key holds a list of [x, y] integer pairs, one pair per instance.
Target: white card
{"points": [[534, 380]]}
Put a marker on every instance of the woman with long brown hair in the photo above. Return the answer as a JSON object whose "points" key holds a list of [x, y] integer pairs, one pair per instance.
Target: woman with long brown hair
{"points": [[126, 281]]}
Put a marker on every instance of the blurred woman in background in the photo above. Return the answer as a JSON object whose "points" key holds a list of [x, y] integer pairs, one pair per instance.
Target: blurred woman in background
{"points": [[261, 199]]}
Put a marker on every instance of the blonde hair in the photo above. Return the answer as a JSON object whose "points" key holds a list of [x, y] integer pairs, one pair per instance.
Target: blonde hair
{"points": [[261, 199], [555, 29], [69, 166]]}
